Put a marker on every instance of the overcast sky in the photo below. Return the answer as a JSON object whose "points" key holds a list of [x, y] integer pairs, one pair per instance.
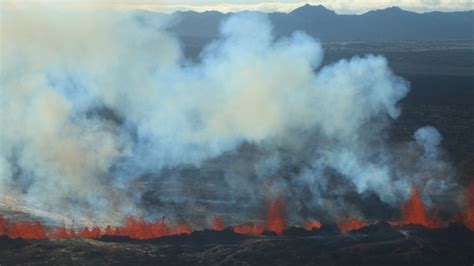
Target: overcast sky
{"points": [[340, 6]]}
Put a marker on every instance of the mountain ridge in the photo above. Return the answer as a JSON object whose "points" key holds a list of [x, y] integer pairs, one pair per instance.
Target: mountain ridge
{"points": [[388, 24]]}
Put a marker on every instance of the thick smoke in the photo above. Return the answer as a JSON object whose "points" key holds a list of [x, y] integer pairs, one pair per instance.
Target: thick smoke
{"points": [[103, 116]]}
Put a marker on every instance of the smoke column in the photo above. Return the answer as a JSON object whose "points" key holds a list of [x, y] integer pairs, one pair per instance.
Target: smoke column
{"points": [[94, 104]]}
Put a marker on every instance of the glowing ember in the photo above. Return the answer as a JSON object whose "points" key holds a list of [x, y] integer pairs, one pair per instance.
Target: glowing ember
{"points": [[312, 224], [469, 198], [133, 228], [2, 226], [62, 232], [109, 231], [458, 218], [93, 233], [217, 224], [140, 229], [248, 229], [351, 224], [183, 228], [276, 217]]}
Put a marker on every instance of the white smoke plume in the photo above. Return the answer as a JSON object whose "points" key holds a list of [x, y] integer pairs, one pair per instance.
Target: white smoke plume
{"points": [[93, 101]]}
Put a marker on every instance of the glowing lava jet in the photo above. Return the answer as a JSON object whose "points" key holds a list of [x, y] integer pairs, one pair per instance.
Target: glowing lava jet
{"points": [[217, 224], [276, 221], [276, 217], [414, 212]]}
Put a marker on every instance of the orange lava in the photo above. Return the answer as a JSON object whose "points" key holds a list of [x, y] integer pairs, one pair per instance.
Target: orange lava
{"points": [[2, 226], [312, 224], [351, 224], [26, 230], [414, 212], [468, 219], [140, 229], [217, 224], [93, 233], [133, 228], [62, 232], [276, 216], [109, 231], [183, 228], [248, 229]]}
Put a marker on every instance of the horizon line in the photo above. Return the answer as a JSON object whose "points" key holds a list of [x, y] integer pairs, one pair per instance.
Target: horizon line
{"points": [[224, 8]]}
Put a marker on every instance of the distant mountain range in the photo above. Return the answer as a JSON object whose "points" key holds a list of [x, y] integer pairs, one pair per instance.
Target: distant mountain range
{"points": [[390, 24]]}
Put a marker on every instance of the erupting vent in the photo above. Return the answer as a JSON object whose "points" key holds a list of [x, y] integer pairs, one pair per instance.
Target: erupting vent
{"points": [[413, 212]]}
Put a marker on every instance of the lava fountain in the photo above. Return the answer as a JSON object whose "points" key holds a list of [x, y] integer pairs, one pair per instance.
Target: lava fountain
{"points": [[414, 212], [276, 216]]}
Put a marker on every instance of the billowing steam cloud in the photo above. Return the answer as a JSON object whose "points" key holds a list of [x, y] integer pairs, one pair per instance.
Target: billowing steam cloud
{"points": [[102, 116]]}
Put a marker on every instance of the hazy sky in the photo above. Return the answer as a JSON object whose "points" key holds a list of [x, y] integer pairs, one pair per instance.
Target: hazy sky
{"points": [[340, 6]]}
